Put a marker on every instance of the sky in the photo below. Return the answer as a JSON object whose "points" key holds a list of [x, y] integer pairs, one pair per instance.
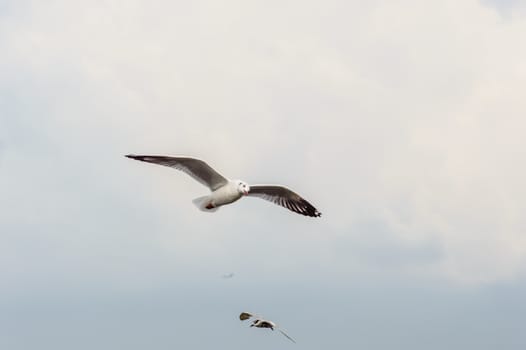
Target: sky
{"points": [[401, 121]]}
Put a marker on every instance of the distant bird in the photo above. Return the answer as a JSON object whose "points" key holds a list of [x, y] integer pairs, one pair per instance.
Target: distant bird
{"points": [[262, 323], [225, 191], [228, 275]]}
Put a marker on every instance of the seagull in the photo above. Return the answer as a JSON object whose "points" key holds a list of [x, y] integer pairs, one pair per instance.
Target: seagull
{"points": [[229, 275], [259, 322], [225, 191]]}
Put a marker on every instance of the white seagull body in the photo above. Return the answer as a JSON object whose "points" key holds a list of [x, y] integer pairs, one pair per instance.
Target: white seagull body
{"points": [[259, 322], [225, 191]]}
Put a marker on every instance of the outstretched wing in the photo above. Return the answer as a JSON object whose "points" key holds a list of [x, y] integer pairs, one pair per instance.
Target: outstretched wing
{"points": [[196, 168], [285, 334], [286, 198], [245, 316]]}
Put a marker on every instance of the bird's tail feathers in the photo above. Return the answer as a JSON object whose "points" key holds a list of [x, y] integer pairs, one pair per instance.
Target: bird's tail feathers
{"points": [[203, 203]]}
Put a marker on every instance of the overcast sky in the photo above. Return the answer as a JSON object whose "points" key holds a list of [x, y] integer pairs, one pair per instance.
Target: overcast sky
{"points": [[401, 121]]}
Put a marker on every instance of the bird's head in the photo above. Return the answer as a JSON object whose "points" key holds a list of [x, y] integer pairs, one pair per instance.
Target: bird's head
{"points": [[242, 187]]}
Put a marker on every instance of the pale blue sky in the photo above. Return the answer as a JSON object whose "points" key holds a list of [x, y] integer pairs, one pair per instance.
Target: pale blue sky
{"points": [[505, 5], [402, 122]]}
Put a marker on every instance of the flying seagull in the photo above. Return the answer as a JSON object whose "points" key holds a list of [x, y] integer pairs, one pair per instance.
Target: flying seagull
{"points": [[225, 191], [262, 323]]}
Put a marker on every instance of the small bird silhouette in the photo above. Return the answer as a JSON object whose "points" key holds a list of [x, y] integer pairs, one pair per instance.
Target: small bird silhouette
{"points": [[259, 322]]}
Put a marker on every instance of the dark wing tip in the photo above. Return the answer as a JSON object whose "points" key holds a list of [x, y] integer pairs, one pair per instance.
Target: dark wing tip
{"points": [[307, 209], [133, 156]]}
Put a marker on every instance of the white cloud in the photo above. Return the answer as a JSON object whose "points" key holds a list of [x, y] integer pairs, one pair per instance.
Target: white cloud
{"points": [[409, 114]]}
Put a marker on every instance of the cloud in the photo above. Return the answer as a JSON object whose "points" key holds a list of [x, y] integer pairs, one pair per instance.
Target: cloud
{"points": [[409, 118], [402, 122]]}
